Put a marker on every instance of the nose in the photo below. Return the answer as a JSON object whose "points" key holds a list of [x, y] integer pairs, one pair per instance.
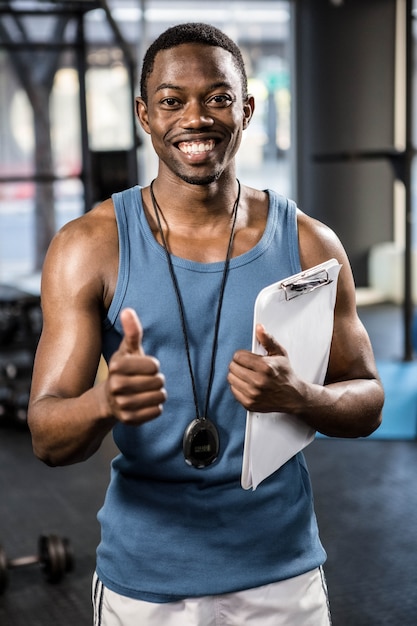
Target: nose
{"points": [[196, 116]]}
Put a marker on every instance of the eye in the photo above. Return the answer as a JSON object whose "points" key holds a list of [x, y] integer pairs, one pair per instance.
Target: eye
{"points": [[170, 102], [220, 100]]}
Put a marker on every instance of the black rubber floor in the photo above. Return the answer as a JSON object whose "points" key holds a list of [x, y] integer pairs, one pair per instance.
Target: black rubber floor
{"points": [[366, 503], [39, 500]]}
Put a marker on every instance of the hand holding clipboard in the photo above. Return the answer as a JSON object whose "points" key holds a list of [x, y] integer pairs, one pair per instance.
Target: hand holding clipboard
{"points": [[298, 311]]}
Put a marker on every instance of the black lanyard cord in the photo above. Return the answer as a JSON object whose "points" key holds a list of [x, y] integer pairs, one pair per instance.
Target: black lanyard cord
{"points": [[157, 211]]}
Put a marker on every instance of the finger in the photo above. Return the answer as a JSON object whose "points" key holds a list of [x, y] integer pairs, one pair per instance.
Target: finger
{"points": [[268, 342], [132, 330]]}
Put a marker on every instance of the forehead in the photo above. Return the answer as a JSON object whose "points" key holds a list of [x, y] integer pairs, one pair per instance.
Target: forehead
{"points": [[191, 62]]}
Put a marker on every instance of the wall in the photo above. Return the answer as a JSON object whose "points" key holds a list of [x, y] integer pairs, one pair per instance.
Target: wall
{"points": [[350, 113]]}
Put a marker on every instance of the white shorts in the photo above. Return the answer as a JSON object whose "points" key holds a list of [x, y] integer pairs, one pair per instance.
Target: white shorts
{"points": [[299, 601]]}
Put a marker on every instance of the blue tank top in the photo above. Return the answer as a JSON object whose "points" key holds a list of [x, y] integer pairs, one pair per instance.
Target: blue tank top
{"points": [[171, 531]]}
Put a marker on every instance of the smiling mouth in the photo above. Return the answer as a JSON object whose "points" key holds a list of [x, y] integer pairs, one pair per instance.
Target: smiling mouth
{"points": [[196, 147]]}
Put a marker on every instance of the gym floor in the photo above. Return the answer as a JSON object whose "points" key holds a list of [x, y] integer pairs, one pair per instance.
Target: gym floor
{"points": [[366, 503]]}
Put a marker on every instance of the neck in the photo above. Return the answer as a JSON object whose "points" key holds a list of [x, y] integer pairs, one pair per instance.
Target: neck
{"points": [[159, 213], [205, 243], [194, 205]]}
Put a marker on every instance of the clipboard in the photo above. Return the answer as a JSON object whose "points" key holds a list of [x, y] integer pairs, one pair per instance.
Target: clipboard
{"points": [[299, 312]]}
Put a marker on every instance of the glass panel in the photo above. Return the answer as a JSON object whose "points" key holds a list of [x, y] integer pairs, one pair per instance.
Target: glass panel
{"points": [[46, 97], [65, 122], [109, 106], [16, 228]]}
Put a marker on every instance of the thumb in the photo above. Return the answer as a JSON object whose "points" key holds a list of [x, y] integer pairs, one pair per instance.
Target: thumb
{"points": [[268, 342], [132, 329]]}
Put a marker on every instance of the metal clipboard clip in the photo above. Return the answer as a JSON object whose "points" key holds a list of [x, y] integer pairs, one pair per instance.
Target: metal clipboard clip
{"points": [[306, 283]]}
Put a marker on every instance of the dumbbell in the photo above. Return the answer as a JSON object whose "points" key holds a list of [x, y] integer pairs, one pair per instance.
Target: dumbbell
{"points": [[55, 556]]}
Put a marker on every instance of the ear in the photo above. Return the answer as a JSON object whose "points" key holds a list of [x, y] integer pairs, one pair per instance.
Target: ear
{"points": [[142, 114], [248, 109]]}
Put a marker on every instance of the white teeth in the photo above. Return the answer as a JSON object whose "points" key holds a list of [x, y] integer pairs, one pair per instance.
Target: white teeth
{"points": [[196, 147]]}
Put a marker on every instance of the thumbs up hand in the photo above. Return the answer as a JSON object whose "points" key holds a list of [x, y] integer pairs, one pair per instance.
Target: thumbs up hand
{"points": [[135, 385], [266, 383]]}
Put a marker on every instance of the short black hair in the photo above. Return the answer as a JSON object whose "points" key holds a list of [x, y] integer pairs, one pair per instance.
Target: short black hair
{"points": [[193, 32]]}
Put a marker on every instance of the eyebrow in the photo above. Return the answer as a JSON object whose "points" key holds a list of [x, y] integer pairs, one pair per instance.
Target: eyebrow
{"points": [[216, 85]]}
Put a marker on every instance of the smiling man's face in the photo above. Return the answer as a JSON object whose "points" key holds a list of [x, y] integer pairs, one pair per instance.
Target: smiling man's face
{"points": [[195, 112]]}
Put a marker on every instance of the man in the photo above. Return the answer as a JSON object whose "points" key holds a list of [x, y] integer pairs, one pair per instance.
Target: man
{"points": [[162, 280]]}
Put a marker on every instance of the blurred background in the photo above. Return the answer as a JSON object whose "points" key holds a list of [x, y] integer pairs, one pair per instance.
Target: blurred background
{"points": [[333, 82], [334, 128]]}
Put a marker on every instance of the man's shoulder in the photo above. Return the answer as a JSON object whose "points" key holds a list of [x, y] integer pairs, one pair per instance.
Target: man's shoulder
{"points": [[313, 226], [91, 236], [98, 218], [84, 252], [317, 241]]}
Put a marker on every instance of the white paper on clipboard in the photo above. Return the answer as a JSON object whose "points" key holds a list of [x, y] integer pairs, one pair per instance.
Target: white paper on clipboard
{"points": [[298, 311]]}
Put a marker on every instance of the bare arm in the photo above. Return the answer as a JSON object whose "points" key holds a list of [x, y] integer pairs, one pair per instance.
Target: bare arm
{"points": [[350, 402], [68, 414]]}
